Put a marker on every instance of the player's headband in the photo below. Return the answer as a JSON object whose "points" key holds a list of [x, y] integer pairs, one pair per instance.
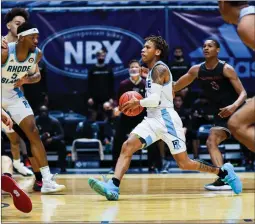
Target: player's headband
{"points": [[28, 32]]}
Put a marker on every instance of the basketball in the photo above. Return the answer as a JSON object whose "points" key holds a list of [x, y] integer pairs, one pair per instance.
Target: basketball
{"points": [[125, 97]]}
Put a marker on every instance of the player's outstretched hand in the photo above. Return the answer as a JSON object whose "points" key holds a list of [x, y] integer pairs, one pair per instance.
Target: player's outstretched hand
{"points": [[227, 111], [6, 119], [4, 43], [21, 81]]}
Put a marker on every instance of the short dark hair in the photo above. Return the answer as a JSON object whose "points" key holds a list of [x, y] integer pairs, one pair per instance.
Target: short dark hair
{"points": [[179, 95], [25, 26], [237, 3], [102, 51], [134, 61], [216, 42], [16, 12], [160, 44], [178, 47]]}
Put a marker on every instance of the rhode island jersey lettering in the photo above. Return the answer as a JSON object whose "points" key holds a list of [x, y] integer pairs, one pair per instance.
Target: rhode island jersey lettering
{"points": [[13, 70]]}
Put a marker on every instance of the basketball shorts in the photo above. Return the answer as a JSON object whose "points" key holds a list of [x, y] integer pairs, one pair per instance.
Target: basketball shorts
{"points": [[18, 108], [167, 126]]}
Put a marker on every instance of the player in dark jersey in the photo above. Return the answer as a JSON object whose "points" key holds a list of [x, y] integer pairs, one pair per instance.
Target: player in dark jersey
{"points": [[224, 90], [242, 122]]}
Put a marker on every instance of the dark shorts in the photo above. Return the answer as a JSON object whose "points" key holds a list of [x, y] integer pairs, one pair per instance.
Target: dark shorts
{"points": [[221, 124]]}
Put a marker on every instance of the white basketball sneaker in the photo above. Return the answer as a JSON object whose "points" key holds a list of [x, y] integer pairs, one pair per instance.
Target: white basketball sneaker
{"points": [[22, 169], [50, 186]]}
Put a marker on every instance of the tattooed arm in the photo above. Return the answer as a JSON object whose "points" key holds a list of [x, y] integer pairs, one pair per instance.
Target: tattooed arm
{"points": [[160, 76], [35, 74]]}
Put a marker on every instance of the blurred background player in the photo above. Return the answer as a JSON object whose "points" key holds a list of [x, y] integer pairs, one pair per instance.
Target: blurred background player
{"points": [[13, 19], [16, 65], [162, 122], [241, 14], [222, 87], [52, 135], [20, 199]]}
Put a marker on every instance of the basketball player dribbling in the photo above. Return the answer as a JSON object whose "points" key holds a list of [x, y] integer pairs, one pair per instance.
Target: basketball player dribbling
{"points": [[162, 122], [242, 121], [19, 67]]}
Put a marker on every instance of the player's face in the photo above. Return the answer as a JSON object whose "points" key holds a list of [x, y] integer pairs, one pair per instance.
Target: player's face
{"points": [[32, 41], [14, 24], [149, 51], [178, 53], [209, 49]]}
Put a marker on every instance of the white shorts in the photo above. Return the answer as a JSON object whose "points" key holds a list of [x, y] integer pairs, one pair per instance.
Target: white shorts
{"points": [[167, 127], [18, 108]]}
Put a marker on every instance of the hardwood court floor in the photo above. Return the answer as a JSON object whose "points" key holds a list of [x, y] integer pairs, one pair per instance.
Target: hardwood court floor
{"points": [[145, 198]]}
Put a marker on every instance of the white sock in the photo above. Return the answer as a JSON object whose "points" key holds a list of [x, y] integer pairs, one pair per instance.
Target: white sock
{"points": [[16, 161], [45, 171]]}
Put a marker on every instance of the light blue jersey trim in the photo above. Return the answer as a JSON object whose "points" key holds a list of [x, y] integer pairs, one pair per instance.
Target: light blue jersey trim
{"points": [[148, 140], [247, 11], [19, 92], [168, 122]]}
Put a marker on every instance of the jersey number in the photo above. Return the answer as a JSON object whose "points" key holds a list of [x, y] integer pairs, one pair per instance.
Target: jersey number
{"points": [[215, 86]]}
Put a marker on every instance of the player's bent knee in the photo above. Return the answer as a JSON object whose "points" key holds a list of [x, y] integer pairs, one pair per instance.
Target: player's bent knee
{"points": [[34, 130], [211, 142], [127, 148]]}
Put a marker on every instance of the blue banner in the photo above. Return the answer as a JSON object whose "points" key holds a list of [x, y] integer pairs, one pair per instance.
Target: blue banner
{"points": [[70, 40]]}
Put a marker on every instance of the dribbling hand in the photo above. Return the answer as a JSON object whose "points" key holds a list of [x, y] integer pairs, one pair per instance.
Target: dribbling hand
{"points": [[21, 81], [130, 105]]}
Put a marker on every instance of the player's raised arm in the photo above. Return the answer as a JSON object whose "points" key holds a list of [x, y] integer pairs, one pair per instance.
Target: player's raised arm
{"points": [[186, 79]]}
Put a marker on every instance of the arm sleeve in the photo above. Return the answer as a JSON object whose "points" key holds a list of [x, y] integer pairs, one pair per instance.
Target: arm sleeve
{"points": [[153, 99]]}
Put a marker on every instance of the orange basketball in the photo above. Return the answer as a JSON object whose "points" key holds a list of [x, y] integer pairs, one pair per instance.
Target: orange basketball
{"points": [[128, 96]]}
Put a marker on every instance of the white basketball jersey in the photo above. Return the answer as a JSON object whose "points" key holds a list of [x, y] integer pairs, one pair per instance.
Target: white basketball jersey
{"points": [[13, 70], [166, 97]]}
